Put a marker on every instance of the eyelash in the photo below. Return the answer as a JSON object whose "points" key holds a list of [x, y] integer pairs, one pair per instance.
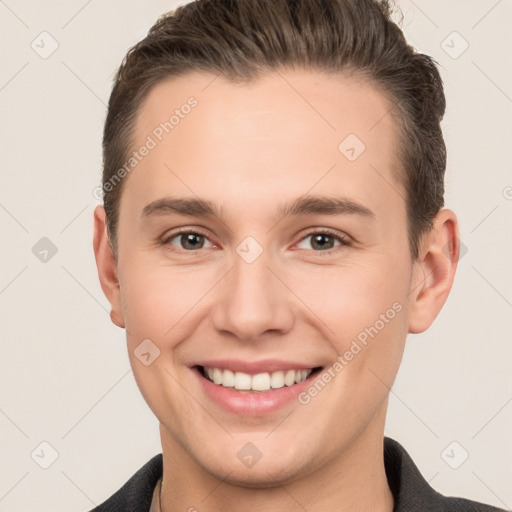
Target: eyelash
{"points": [[344, 242]]}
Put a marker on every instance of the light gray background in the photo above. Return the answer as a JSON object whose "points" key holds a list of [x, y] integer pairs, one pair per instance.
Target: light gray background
{"points": [[65, 377]]}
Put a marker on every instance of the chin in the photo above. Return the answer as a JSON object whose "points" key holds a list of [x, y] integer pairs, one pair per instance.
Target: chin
{"points": [[266, 476], [271, 471]]}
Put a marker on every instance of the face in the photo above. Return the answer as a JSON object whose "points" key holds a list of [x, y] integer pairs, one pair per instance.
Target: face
{"points": [[263, 241]]}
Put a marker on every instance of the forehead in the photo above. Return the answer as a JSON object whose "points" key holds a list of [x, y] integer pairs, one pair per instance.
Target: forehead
{"points": [[305, 102], [288, 129]]}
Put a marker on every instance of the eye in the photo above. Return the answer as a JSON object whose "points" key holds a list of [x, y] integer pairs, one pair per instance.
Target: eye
{"points": [[324, 241], [321, 241], [189, 240]]}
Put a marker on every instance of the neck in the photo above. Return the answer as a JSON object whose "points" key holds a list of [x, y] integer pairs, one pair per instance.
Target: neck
{"points": [[354, 479]]}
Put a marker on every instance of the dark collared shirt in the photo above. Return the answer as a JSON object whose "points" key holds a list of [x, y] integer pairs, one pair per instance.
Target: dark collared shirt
{"points": [[410, 490]]}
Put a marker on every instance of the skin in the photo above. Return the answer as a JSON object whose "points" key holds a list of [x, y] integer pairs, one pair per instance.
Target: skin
{"points": [[250, 148]]}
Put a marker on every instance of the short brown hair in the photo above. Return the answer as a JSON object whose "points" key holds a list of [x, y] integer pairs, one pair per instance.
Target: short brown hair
{"points": [[241, 39]]}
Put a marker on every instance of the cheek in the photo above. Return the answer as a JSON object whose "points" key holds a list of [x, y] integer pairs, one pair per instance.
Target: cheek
{"points": [[349, 297], [156, 298], [362, 311], [158, 302]]}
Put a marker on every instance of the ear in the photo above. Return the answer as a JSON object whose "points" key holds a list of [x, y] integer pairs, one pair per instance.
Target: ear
{"points": [[434, 271], [107, 266]]}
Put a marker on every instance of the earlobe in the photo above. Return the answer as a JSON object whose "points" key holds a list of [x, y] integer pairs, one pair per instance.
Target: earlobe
{"points": [[434, 271], [107, 266]]}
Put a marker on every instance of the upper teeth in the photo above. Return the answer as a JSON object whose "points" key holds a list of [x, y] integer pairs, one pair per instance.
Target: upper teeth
{"points": [[258, 382]]}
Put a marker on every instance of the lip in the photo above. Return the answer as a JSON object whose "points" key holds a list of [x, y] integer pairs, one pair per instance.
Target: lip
{"points": [[255, 367], [254, 404]]}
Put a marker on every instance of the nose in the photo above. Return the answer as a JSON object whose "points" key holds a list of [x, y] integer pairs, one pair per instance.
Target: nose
{"points": [[253, 301]]}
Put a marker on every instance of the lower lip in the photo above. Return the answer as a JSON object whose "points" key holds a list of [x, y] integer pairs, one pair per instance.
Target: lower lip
{"points": [[252, 404]]}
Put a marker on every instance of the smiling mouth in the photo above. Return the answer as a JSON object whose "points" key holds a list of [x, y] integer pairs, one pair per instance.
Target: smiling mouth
{"points": [[257, 383]]}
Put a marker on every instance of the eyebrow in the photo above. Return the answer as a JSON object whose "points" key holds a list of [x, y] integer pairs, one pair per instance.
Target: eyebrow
{"points": [[305, 205]]}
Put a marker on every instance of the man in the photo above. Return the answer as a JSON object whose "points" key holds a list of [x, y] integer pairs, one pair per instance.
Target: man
{"points": [[272, 229]]}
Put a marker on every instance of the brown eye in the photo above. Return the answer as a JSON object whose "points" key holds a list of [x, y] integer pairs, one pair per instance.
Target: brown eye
{"points": [[323, 241], [187, 240]]}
